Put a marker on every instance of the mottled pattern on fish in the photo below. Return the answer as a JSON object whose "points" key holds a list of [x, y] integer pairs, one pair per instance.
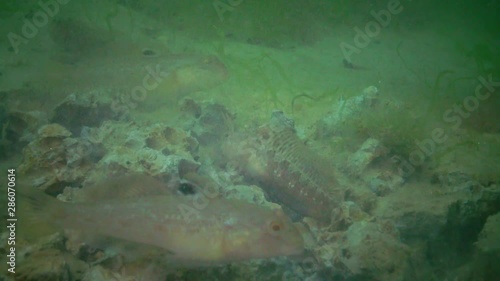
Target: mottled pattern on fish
{"points": [[290, 172], [192, 228]]}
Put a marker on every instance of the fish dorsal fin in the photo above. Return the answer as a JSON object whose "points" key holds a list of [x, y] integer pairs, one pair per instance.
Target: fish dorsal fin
{"points": [[128, 186]]}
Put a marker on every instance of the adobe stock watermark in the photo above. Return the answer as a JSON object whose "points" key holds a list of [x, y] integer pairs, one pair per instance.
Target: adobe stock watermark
{"points": [[139, 93], [40, 19], [222, 7], [453, 116], [372, 29]]}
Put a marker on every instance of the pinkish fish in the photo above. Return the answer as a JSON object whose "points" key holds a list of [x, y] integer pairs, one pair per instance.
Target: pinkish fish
{"points": [[220, 231], [85, 58]]}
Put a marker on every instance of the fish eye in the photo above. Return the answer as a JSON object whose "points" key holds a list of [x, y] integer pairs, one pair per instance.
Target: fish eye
{"points": [[187, 188], [275, 226]]}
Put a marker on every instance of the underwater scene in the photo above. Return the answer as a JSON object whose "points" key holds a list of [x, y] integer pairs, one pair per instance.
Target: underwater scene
{"points": [[249, 140]]}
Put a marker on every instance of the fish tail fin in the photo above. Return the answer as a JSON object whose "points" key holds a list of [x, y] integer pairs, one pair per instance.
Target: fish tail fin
{"points": [[36, 213]]}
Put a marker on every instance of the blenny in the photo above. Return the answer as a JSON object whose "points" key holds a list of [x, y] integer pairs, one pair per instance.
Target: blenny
{"points": [[276, 159]]}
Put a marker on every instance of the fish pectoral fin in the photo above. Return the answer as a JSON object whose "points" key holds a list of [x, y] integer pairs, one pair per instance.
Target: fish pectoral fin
{"points": [[108, 255], [39, 213]]}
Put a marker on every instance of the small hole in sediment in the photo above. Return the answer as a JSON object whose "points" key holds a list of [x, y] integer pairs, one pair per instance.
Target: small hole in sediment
{"points": [[187, 188], [149, 53]]}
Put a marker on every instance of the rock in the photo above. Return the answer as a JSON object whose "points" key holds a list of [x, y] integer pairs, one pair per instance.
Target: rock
{"points": [[331, 124], [154, 149], [448, 224], [383, 180], [50, 265], [347, 214], [373, 251], [466, 157], [85, 109], [370, 91], [99, 273], [249, 193], [488, 240], [53, 131], [366, 250], [24, 125], [209, 122], [54, 159], [17, 128], [370, 150]]}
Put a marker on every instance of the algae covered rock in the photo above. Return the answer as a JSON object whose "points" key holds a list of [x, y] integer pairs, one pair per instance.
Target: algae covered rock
{"points": [[85, 109], [50, 265], [488, 240], [53, 158], [53, 130], [155, 149], [374, 250]]}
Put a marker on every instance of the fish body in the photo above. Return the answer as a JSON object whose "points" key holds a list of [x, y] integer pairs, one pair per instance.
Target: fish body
{"points": [[277, 160], [133, 75], [86, 58], [216, 231]]}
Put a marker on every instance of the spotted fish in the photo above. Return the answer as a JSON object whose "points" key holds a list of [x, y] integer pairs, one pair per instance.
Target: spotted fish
{"points": [[298, 178]]}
